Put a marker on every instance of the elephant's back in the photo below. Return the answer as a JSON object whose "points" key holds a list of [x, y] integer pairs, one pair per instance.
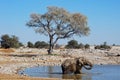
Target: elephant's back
{"points": [[67, 62]]}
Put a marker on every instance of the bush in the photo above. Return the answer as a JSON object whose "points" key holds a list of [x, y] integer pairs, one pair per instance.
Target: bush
{"points": [[72, 44], [81, 46], [30, 45], [87, 46], [5, 45], [41, 44], [97, 47], [9, 41], [103, 46]]}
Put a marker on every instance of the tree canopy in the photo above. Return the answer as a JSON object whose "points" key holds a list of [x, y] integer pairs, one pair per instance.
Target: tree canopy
{"points": [[58, 23], [10, 41]]}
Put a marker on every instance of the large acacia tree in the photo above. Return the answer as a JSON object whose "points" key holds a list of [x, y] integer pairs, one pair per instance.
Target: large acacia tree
{"points": [[57, 23]]}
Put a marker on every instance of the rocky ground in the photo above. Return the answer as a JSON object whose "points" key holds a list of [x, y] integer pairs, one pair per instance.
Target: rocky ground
{"points": [[12, 60]]}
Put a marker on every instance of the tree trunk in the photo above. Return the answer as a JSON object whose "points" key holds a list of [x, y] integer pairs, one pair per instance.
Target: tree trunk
{"points": [[50, 50], [51, 45]]}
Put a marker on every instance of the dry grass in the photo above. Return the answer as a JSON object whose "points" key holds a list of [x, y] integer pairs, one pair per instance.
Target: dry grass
{"points": [[7, 50], [16, 77]]}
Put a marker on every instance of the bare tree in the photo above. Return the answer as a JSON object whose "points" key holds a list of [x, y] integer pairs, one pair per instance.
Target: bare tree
{"points": [[57, 23]]}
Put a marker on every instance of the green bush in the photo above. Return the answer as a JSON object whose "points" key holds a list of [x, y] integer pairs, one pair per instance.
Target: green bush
{"points": [[81, 46], [41, 44], [97, 47], [103, 46], [72, 44], [87, 46], [11, 41], [30, 45]]}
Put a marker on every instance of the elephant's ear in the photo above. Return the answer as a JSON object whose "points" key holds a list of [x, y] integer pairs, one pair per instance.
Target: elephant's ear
{"points": [[79, 61]]}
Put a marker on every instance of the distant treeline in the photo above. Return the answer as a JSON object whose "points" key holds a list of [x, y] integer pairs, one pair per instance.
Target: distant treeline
{"points": [[13, 42]]}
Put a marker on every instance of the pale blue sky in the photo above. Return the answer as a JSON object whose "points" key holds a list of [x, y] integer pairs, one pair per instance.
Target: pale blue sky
{"points": [[103, 19]]}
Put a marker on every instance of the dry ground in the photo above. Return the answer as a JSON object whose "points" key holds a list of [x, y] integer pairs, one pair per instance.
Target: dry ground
{"points": [[7, 52], [15, 58]]}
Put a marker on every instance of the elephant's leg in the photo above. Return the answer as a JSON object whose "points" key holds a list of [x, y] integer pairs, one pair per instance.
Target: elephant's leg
{"points": [[63, 70], [78, 69], [77, 72]]}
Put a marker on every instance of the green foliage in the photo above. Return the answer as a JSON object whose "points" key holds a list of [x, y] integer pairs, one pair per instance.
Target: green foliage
{"points": [[72, 44], [11, 41], [20, 44], [5, 37], [87, 46], [97, 47], [41, 44], [103, 46], [5, 44], [113, 45], [81, 46], [30, 45]]}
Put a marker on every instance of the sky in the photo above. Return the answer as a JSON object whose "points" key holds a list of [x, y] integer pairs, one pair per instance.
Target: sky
{"points": [[103, 19]]}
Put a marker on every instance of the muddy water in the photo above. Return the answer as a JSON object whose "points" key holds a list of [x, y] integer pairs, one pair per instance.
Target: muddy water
{"points": [[99, 72]]}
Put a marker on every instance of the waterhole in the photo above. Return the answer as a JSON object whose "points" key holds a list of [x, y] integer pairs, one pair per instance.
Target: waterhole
{"points": [[98, 72]]}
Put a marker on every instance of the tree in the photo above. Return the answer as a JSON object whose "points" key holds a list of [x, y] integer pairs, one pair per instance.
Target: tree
{"points": [[21, 44], [30, 44], [72, 44], [37, 44], [40, 44], [5, 37], [14, 41], [57, 23], [5, 41], [87, 46], [81, 46], [9, 41], [5, 45]]}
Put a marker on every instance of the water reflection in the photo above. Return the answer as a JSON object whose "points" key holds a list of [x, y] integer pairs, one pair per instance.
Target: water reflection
{"points": [[67, 76], [104, 72], [50, 71]]}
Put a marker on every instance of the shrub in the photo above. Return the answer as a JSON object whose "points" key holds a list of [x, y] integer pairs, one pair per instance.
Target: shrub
{"points": [[5, 45], [72, 44], [103, 46], [87, 46], [81, 46], [41, 44], [9, 41], [97, 47], [30, 44]]}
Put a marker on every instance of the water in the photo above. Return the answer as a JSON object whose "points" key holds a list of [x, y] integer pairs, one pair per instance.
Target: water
{"points": [[98, 72]]}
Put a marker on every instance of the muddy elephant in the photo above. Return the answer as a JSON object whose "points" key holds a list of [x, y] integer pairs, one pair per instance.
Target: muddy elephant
{"points": [[75, 65]]}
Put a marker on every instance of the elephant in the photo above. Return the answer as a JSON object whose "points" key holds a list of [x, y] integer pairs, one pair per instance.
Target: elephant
{"points": [[75, 65]]}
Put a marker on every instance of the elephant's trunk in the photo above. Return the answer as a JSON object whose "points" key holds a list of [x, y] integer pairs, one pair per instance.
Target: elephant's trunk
{"points": [[88, 66]]}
